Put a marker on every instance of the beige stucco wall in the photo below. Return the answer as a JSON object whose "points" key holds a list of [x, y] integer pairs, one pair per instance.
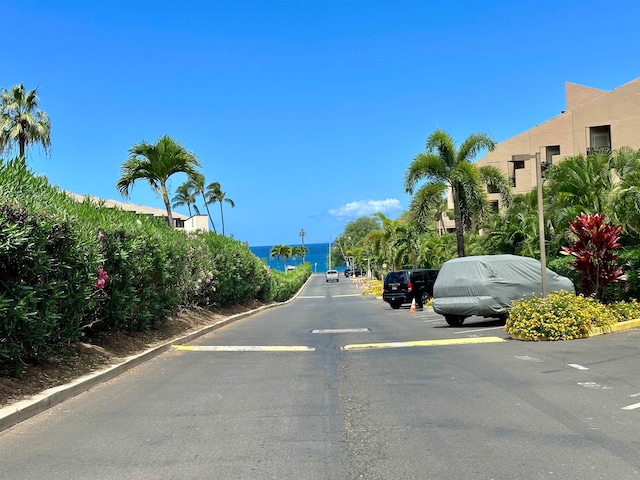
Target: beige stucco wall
{"points": [[586, 107], [197, 223]]}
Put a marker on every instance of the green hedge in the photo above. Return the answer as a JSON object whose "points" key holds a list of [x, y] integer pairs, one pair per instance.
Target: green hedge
{"points": [[70, 267]]}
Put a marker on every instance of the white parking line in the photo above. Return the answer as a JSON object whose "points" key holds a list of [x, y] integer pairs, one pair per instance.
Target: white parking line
{"points": [[631, 407], [243, 348], [479, 330], [593, 385], [576, 366], [341, 330]]}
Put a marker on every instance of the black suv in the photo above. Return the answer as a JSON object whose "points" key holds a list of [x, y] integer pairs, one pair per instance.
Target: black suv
{"points": [[356, 273], [402, 286]]}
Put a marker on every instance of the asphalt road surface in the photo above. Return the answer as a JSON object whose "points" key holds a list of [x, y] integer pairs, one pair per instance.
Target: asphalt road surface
{"points": [[337, 385]]}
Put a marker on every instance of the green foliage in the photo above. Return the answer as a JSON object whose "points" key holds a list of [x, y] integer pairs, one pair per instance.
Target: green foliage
{"points": [[70, 268], [285, 284], [237, 275], [592, 253], [561, 316]]}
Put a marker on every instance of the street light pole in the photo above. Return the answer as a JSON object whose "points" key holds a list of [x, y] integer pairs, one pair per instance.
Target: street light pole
{"points": [[302, 237], [543, 254]]}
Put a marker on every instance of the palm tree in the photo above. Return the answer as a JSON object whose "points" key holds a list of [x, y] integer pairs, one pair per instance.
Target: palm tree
{"points": [[282, 252], [156, 163], [21, 121], [215, 194], [299, 252], [197, 181], [579, 184], [185, 195], [451, 167]]}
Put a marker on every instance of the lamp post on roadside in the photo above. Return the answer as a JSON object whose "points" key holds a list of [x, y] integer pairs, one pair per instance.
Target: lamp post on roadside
{"points": [[543, 254], [302, 237]]}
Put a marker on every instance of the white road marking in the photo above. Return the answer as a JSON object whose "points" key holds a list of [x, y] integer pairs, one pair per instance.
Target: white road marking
{"points": [[593, 385], [631, 407], [341, 330], [528, 358], [576, 366], [635, 395], [311, 296], [243, 348]]}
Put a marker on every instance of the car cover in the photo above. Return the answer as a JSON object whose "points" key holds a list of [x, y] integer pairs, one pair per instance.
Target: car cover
{"points": [[486, 285]]}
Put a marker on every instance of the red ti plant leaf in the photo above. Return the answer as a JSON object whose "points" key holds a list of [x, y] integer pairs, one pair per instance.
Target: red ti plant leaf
{"points": [[593, 253]]}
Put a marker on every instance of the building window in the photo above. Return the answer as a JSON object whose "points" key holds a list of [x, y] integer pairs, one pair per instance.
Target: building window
{"points": [[492, 189], [551, 151], [493, 204], [518, 164], [599, 139]]}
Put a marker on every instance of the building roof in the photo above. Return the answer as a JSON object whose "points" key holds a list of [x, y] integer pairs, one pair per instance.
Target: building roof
{"points": [[130, 207]]}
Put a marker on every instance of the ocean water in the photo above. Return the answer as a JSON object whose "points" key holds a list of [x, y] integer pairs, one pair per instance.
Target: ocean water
{"points": [[318, 256]]}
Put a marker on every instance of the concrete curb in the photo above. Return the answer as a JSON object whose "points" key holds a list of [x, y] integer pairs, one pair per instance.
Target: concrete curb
{"points": [[25, 409]]}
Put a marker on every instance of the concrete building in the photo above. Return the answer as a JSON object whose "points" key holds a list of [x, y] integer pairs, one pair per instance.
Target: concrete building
{"points": [[592, 119]]}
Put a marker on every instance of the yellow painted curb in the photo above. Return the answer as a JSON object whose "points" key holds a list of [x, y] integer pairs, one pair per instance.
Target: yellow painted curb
{"points": [[424, 343]]}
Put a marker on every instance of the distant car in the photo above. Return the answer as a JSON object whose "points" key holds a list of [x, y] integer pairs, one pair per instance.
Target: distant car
{"points": [[357, 272], [332, 276], [486, 285], [403, 286]]}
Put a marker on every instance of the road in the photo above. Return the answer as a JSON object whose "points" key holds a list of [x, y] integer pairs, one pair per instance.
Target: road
{"points": [[337, 385]]}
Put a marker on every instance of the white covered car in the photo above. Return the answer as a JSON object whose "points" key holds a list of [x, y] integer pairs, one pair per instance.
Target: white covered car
{"points": [[486, 285]]}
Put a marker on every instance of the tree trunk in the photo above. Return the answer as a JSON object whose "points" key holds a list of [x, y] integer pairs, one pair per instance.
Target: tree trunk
{"points": [[167, 204], [222, 218], [206, 205], [457, 216]]}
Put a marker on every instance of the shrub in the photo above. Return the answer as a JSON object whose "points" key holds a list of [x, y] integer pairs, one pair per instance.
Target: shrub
{"points": [[561, 316], [592, 253], [285, 284]]}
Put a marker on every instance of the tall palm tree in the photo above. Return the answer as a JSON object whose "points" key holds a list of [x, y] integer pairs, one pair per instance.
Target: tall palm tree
{"points": [[282, 252], [451, 167], [215, 194], [156, 163], [21, 121], [185, 195], [197, 181]]}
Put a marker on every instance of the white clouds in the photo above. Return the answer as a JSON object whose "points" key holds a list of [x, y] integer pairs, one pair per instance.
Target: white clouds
{"points": [[363, 208]]}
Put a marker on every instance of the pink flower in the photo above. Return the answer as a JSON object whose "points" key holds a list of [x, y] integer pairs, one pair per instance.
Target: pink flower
{"points": [[102, 279]]}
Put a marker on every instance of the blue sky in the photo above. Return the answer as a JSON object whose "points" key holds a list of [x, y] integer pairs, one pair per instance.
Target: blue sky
{"points": [[307, 112]]}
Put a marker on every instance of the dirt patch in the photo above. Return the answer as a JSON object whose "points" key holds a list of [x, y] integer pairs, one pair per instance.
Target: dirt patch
{"points": [[105, 349]]}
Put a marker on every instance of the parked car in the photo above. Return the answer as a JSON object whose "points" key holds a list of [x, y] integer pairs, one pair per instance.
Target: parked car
{"points": [[332, 276], [486, 285], [357, 272], [402, 286]]}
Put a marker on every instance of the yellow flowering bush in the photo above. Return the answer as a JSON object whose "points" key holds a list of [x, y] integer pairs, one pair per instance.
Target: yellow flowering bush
{"points": [[372, 287], [561, 316], [627, 310]]}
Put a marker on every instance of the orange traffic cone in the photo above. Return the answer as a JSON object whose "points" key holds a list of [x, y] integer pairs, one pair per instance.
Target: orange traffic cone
{"points": [[413, 305]]}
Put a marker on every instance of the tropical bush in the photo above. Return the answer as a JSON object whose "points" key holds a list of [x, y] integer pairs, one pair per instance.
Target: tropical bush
{"points": [[559, 316], [285, 284], [72, 268]]}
